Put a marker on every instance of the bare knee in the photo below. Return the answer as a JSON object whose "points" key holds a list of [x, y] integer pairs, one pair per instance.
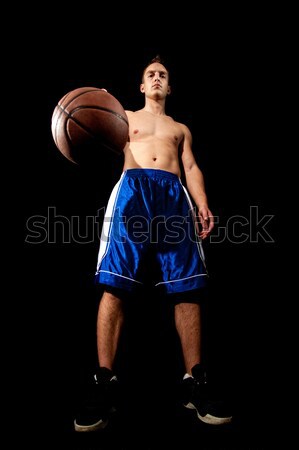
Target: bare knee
{"points": [[110, 296], [187, 309], [111, 301]]}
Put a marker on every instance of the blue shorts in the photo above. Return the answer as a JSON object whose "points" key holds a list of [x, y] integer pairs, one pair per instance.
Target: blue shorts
{"points": [[149, 232]]}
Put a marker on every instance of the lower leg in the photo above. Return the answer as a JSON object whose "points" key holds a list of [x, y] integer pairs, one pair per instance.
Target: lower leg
{"points": [[109, 325], [188, 325]]}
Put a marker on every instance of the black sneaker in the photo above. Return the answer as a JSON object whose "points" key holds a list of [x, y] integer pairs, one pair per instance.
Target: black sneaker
{"points": [[196, 396], [98, 403]]}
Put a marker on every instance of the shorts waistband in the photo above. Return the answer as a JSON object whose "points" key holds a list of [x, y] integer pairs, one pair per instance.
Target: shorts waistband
{"points": [[152, 173]]}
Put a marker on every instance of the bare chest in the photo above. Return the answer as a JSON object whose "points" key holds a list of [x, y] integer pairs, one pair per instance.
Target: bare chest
{"points": [[159, 127]]}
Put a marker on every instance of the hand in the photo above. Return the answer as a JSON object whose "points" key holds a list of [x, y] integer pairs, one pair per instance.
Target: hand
{"points": [[102, 89], [206, 219]]}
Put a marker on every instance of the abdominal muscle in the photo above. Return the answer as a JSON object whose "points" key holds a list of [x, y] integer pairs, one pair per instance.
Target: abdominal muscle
{"points": [[152, 153]]}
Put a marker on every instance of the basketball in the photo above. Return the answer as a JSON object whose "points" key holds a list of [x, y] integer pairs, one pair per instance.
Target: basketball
{"points": [[86, 121]]}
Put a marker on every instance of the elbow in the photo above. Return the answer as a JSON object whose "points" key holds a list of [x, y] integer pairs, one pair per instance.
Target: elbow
{"points": [[189, 168]]}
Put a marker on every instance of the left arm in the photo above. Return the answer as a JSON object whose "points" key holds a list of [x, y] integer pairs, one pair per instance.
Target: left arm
{"points": [[195, 185]]}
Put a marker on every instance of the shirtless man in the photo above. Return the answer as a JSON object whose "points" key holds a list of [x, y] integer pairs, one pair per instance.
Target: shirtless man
{"points": [[150, 187]]}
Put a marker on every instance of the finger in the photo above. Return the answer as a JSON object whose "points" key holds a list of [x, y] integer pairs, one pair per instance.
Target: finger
{"points": [[211, 223]]}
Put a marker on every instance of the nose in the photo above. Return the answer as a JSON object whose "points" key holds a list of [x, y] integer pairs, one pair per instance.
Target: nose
{"points": [[157, 76]]}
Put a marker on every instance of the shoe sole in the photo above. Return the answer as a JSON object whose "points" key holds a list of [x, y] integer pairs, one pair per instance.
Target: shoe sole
{"points": [[211, 420], [100, 425]]}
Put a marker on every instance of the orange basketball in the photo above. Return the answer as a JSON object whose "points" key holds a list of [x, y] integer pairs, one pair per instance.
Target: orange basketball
{"points": [[87, 120]]}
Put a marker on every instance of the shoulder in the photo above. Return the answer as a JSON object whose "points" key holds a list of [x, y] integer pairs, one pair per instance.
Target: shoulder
{"points": [[132, 114], [182, 126], [184, 129], [128, 111]]}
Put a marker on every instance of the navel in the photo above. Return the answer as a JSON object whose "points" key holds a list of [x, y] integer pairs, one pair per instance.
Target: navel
{"points": [[154, 159]]}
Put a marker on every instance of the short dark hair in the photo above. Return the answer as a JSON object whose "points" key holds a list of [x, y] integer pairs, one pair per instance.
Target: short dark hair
{"points": [[156, 59]]}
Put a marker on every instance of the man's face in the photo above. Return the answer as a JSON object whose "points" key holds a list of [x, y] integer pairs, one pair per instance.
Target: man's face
{"points": [[155, 81]]}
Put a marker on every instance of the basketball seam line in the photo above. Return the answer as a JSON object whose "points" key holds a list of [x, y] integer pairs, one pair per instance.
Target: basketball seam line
{"points": [[100, 108], [61, 109], [85, 128]]}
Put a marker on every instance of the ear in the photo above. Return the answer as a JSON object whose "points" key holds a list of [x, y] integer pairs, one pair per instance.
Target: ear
{"points": [[142, 88], [169, 90]]}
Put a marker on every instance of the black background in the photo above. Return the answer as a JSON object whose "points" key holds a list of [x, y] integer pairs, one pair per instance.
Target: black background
{"points": [[222, 77]]}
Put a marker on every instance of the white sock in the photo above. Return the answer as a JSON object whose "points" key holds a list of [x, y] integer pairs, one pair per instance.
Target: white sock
{"points": [[187, 375]]}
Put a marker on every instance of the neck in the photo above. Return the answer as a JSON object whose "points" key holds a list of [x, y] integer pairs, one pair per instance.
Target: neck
{"points": [[156, 107]]}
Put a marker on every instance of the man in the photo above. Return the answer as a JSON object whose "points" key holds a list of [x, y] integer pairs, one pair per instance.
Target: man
{"points": [[150, 211]]}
